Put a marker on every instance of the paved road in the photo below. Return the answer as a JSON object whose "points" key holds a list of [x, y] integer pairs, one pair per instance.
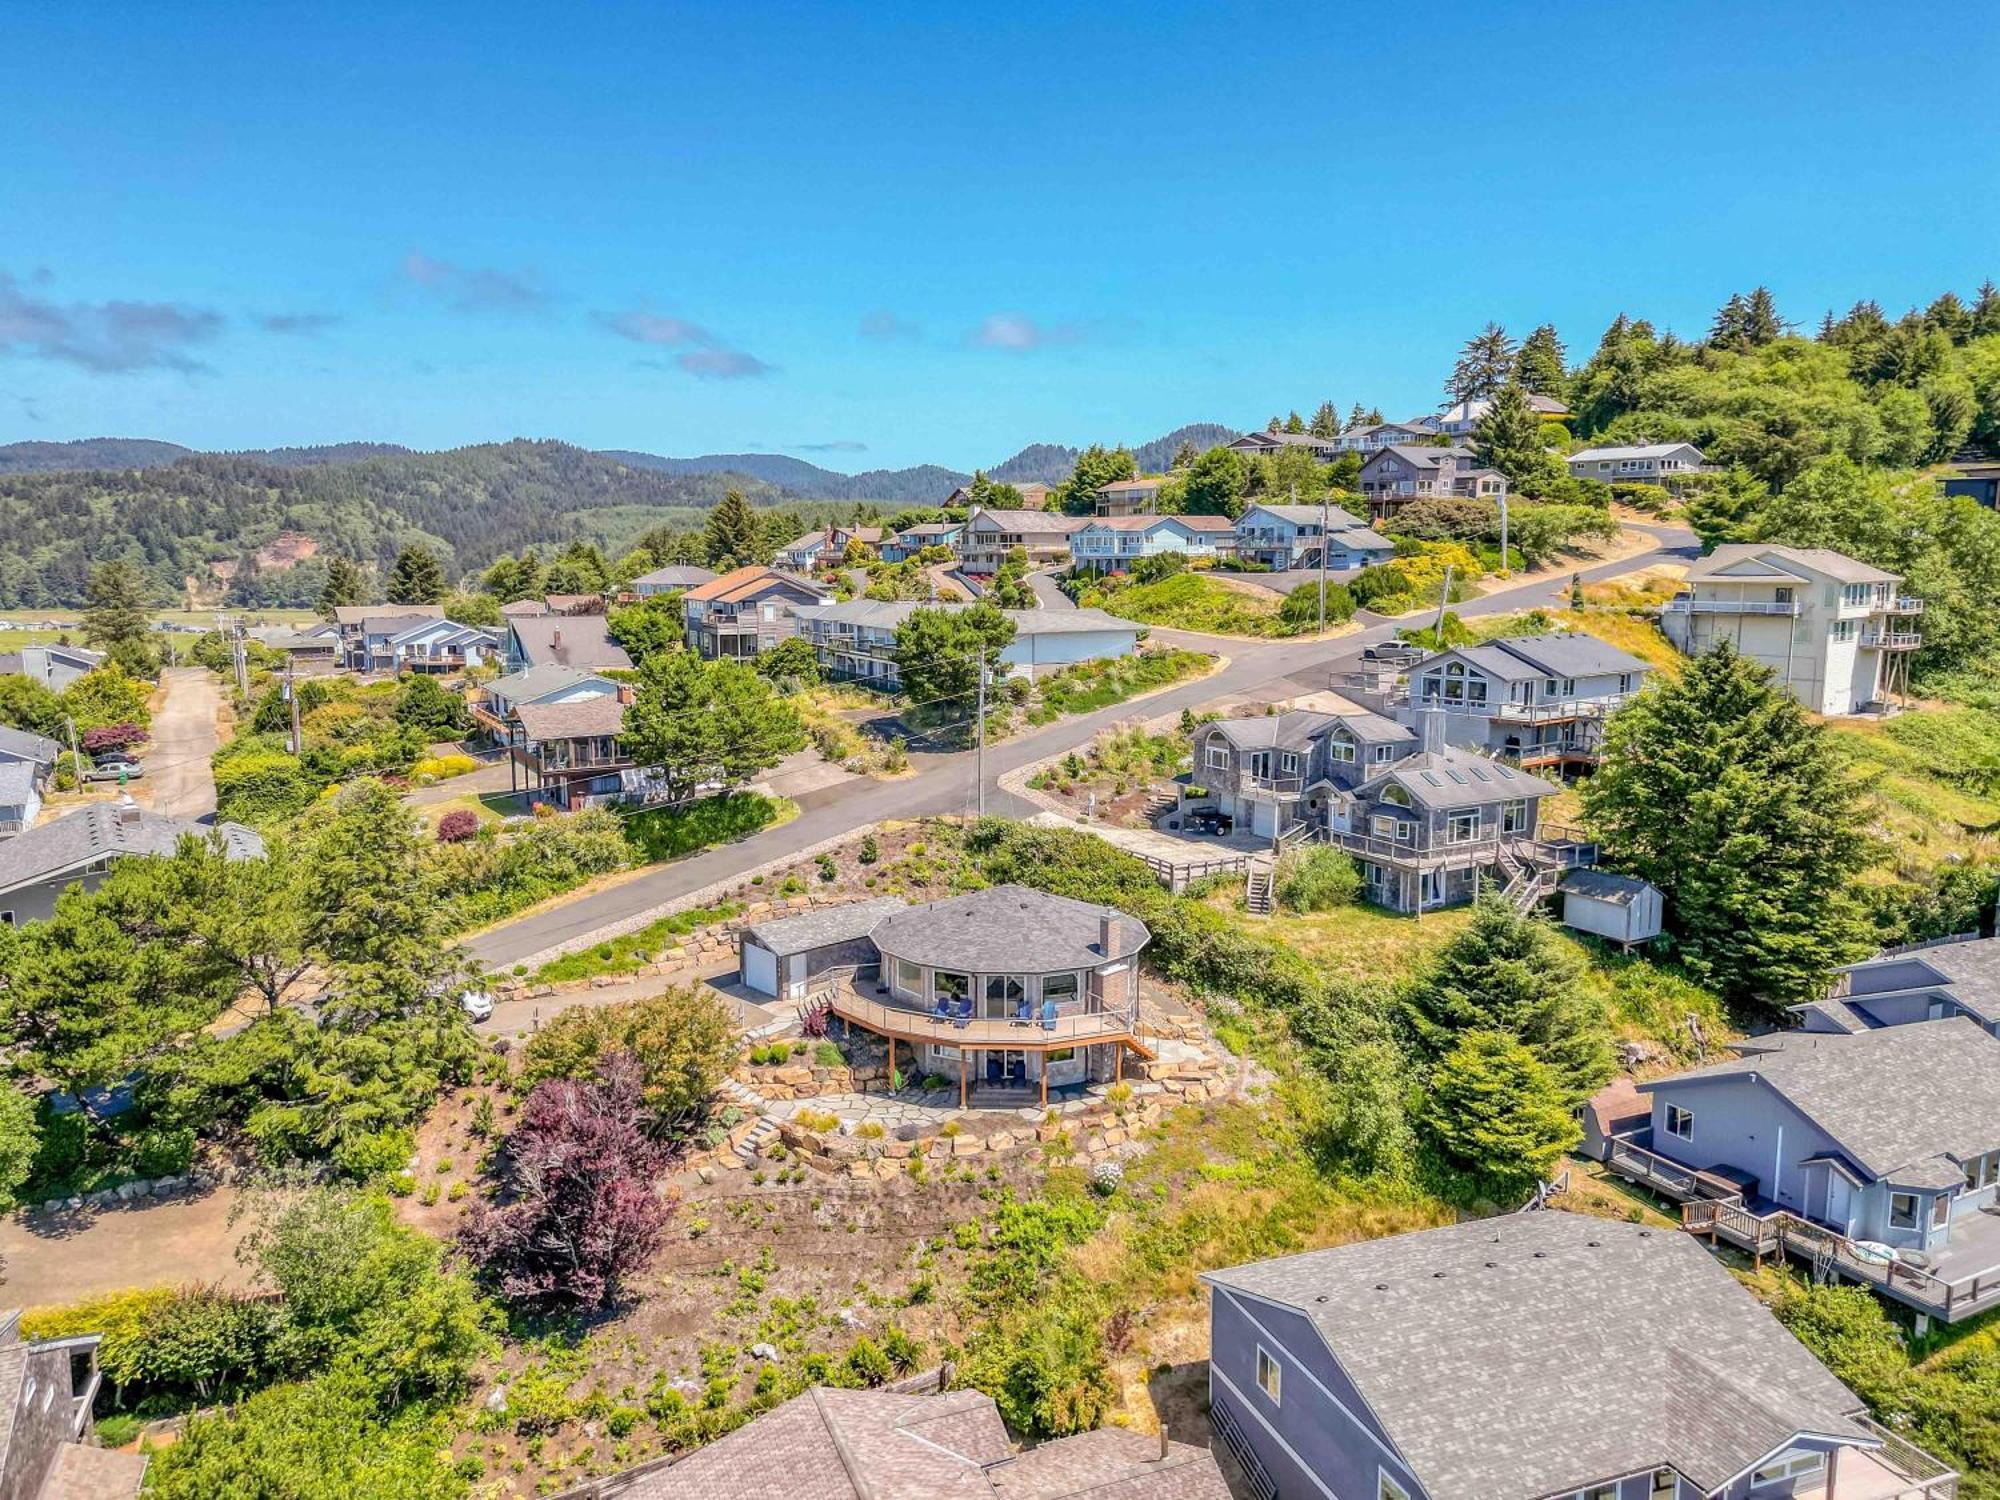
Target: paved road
{"points": [[184, 737], [946, 783], [1048, 592]]}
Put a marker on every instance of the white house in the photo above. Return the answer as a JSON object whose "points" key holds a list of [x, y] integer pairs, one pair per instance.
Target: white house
{"points": [[1111, 544], [991, 534], [857, 640], [803, 554], [427, 645], [1462, 419], [1837, 632], [1644, 463], [1289, 536]]}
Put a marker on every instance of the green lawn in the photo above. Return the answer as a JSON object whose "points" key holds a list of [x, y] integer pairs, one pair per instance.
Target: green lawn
{"points": [[1193, 601]]}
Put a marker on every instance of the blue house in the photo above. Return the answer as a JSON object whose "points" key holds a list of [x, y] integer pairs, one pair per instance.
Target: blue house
{"points": [[1927, 984], [1536, 1356], [1871, 1152]]}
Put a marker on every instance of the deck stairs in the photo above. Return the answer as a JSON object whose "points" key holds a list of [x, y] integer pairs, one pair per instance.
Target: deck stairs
{"points": [[1528, 879], [741, 1096], [1257, 897]]}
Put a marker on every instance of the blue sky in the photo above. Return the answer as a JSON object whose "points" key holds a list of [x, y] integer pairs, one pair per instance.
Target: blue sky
{"points": [[887, 233]]}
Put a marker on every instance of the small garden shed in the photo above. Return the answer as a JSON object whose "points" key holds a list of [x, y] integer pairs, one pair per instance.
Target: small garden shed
{"points": [[1619, 907]]}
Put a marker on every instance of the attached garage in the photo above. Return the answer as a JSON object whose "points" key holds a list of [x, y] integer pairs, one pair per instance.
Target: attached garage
{"points": [[783, 957]]}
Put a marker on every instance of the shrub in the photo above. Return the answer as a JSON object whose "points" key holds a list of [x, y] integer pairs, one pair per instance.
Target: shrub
{"points": [[458, 825], [669, 832], [867, 1364], [443, 767], [870, 850], [682, 1042], [365, 1156], [1301, 606], [1317, 878], [827, 1055]]}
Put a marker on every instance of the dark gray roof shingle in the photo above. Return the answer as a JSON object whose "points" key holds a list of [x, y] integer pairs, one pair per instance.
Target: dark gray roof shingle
{"points": [[107, 830], [828, 925], [1007, 929], [1532, 1354]]}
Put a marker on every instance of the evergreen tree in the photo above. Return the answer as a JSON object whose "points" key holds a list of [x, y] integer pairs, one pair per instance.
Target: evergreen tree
{"points": [[1761, 323], [1509, 438], [1215, 484], [1276, 424], [1326, 421], [1539, 364], [1950, 317], [1483, 365], [1986, 310], [938, 654], [345, 585], [1513, 973], [114, 617], [1096, 466], [1363, 416], [511, 579], [1295, 423], [1720, 790], [416, 578], [1725, 510], [1729, 329], [707, 723], [732, 533], [1184, 456], [1496, 1112]]}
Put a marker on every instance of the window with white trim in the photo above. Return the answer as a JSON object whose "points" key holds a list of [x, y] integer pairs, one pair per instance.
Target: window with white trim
{"points": [[1384, 753], [1461, 827], [1792, 1465], [1666, 1484], [1387, 1488], [1218, 757], [1270, 1379], [1680, 1122], [1340, 750], [1902, 1210]]}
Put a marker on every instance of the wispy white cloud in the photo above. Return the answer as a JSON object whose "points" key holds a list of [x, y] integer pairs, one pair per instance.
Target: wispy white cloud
{"points": [[883, 324], [1016, 333], [298, 322], [474, 288], [703, 355], [105, 338]]}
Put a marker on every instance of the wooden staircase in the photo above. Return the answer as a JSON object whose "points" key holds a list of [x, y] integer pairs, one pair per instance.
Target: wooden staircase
{"points": [[1257, 897], [1528, 881]]}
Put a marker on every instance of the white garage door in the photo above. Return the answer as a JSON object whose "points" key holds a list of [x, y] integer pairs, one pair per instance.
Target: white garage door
{"points": [[760, 969]]}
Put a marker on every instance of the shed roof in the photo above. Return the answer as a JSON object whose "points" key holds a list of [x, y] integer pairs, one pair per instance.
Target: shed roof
{"points": [[1532, 1354], [823, 927], [1892, 1097], [1602, 885]]}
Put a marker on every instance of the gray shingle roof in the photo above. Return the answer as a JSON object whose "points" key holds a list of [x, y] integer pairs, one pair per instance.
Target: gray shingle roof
{"points": [[1570, 653], [1892, 1097], [1007, 929], [1602, 885], [1308, 515], [1456, 778], [22, 744], [17, 782], [1294, 729], [355, 614], [675, 576], [107, 830], [84, 1473], [1971, 971], [533, 682], [1634, 450], [569, 640], [567, 721], [1713, 568], [824, 927], [1039, 522], [1532, 1354]]}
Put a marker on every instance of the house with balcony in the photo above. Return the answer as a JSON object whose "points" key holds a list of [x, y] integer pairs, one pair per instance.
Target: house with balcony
{"points": [[1371, 436], [48, 1450], [855, 641], [1008, 991], [1395, 475], [1282, 537], [840, 538], [1533, 1356], [432, 646], [352, 621], [1462, 418], [804, 553], [1426, 823], [745, 612], [991, 534], [27, 762], [1537, 700], [1929, 982], [1640, 463], [1873, 1155], [1129, 497], [54, 665], [912, 540], [1111, 544], [1837, 633]]}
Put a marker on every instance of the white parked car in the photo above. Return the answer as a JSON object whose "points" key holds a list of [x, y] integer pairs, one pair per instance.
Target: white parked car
{"points": [[478, 1004]]}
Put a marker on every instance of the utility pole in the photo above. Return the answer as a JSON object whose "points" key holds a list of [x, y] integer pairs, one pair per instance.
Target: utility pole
{"points": [[1325, 544], [1437, 626], [292, 699], [1505, 565], [75, 755], [979, 755]]}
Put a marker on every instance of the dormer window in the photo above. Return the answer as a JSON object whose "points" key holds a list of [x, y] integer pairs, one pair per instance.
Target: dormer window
{"points": [[1395, 795]]}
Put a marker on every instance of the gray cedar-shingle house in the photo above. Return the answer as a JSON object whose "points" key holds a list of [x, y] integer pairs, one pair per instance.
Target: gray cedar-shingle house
{"points": [[1886, 1138], [1402, 472], [891, 1445], [1539, 700], [1537, 1356], [1930, 984], [38, 865], [1426, 822], [47, 1387], [54, 666], [1290, 536]]}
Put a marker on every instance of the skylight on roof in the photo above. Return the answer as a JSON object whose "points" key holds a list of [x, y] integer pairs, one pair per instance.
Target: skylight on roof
{"points": [[1431, 777], [1480, 772], [1504, 772], [1456, 777]]}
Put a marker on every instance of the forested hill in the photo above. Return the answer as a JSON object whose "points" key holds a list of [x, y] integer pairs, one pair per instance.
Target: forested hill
{"points": [[469, 505], [88, 453], [925, 484]]}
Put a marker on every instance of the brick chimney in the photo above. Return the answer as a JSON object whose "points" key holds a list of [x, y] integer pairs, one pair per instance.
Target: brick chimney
{"points": [[555, 639], [625, 693], [1108, 934]]}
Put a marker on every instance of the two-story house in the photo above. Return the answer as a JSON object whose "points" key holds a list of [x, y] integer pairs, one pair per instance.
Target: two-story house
{"points": [[1930, 982], [1837, 633], [1426, 823], [1129, 497], [1533, 1356], [912, 540], [54, 665], [1538, 700], [1638, 463], [581, 641], [1395, 475], [27, 761], [1281, 537], [804, 553], [1112, 543], [1462, 418], [746, 612], [991, 534], [1369, 437], [47, 1450], [1871, 1152], [856, 640], [840, 538], [425, 644], [1004, 990]]}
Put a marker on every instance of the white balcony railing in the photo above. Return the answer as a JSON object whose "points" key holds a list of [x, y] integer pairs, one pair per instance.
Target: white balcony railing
{"points": [[1686, 606]]}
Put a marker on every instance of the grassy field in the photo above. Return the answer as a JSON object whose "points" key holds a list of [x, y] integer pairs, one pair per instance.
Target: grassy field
{"points": [[1365, 942], [1193, 601], [1934, 778], [68, 621]]}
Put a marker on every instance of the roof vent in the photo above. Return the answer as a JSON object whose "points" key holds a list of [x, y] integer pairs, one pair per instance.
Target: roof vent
{"points": [[1541, 1255], [1437, 1276], [1493, 1265], [1381, 1286], [1322, 1297]]}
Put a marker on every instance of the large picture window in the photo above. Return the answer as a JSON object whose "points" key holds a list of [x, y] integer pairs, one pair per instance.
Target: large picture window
{"points": [[1004, 994], [1903, 1210], [1788, 1468], [910, 977], [946, 985], [1060, 988]]}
